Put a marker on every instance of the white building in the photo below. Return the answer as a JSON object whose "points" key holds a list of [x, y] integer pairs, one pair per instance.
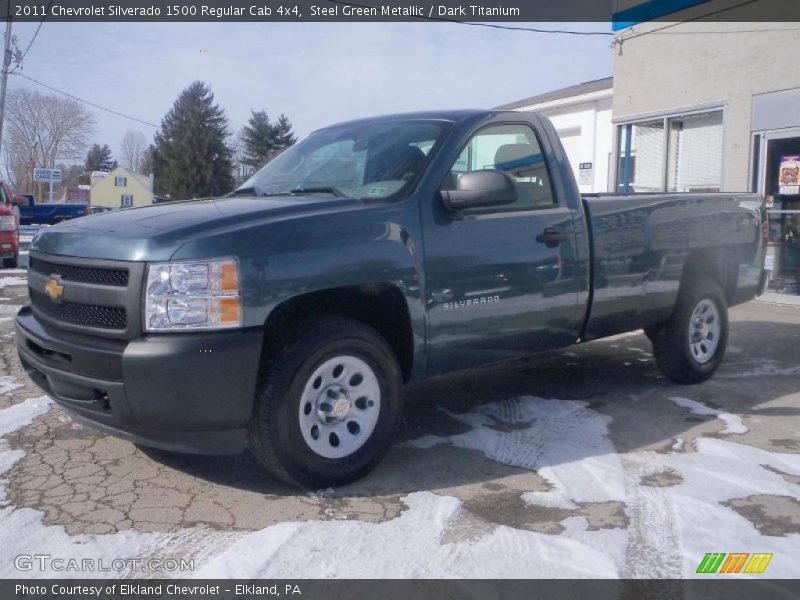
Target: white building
{"points": [[582, 116]]}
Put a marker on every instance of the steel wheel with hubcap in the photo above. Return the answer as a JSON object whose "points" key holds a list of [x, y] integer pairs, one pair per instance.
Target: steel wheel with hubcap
{"points": [[704, 331], [339, 407], [328, 405], [690, 346]]}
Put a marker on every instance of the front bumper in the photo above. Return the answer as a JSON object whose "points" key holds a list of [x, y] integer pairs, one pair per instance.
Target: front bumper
{"points": [[185, 392]]}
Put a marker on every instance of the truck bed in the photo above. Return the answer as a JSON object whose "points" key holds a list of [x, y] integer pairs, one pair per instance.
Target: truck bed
{"points": [[639, 244]]}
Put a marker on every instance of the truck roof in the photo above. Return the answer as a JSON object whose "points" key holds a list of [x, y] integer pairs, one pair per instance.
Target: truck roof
{"points": [[452, 116]]}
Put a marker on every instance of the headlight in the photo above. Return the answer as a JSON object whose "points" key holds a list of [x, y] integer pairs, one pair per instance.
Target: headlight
{"points": [[183, 296], [8, 223]]}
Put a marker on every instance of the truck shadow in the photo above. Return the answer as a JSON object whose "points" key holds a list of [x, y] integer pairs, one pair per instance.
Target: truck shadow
{"points": [[616, 377]]}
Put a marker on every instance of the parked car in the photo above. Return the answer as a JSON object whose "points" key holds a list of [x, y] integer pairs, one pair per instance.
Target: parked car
{"points": [[96, 210], [9, 228], [32, 212], [286, 317]]}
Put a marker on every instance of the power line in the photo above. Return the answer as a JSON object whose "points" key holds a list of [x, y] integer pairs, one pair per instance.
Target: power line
{"points": [[98, 106], [33, 39], [489, 25]]}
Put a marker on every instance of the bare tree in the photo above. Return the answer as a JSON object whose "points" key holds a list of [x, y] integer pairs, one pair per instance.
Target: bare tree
{"points": [[43, 128], [133, 148]]}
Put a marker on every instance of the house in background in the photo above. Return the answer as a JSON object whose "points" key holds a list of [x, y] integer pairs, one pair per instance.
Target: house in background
{"points": [[78, 194], [581, 115], [96, 177], [122, 188]]}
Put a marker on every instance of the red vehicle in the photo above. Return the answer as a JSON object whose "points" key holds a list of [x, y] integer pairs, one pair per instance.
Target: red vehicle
{"points": [[9, 227]]}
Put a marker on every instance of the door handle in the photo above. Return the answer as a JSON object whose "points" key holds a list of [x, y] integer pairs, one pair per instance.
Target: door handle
{"points": [[552, 237]]}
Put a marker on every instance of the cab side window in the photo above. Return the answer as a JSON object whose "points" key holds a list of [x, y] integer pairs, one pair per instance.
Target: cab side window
{"points": [[515, 150]]}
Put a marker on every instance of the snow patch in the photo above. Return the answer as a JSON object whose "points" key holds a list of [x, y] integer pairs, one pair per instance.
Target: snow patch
{"points": [[562, 440], [409, 546], [8, 383], [733, 423], [11, 281], [718, 471], [767, 368], [19, 415]]}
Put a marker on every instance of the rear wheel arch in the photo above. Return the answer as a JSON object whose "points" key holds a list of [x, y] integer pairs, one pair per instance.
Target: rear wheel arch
{"points": [[720, 265]]}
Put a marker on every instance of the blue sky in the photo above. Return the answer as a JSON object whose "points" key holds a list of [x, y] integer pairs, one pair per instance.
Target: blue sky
{"points": [[316, 73]]}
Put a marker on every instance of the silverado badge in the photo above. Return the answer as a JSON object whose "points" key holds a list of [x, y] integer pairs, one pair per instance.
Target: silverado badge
{"points": [[54, 289]]}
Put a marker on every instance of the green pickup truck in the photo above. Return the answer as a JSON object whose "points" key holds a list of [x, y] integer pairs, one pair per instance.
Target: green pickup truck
{"points": [[286, 317]]}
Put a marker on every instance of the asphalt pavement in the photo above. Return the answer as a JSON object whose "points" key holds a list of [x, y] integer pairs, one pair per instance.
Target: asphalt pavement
{"points": [[581, 443]]}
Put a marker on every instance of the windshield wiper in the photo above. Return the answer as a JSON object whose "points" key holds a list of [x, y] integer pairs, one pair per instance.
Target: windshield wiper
{"points": [[321, 189], [246, 191]]}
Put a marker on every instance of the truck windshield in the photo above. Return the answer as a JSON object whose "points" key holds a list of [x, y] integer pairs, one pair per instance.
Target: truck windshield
{"points": [[356, 160]]}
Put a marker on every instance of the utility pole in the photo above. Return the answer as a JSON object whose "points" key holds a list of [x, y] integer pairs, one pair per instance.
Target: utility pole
{"points": [[7, 56]]}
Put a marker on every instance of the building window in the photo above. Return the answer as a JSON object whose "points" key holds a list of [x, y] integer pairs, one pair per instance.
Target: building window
{"points": [[641, 157], [681, 153], [120, 181], [126, 200]]}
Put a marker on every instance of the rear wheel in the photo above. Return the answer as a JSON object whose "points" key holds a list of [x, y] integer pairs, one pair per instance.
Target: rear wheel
{"points": [[690, 346], [328, 405]]}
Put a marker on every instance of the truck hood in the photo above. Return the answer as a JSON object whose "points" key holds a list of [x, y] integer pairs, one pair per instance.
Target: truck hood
{"points": [[157, 232]]}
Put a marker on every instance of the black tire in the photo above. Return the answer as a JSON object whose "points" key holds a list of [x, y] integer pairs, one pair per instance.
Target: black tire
{"points": [[276, 439], [11, 263], [673, 345], [653, 331]]}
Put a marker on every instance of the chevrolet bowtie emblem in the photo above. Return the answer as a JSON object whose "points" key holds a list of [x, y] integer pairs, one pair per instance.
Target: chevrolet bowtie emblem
{"points": [[54, 289]]}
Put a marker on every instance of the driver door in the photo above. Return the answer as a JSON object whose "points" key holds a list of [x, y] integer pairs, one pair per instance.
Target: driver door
{"points": [[493, 291]]}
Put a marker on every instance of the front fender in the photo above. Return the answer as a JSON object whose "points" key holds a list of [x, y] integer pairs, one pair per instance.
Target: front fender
{"points": [[284, 259]]}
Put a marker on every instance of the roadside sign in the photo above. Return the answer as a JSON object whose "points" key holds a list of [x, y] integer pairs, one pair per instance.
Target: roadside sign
{"points": [[50, 175]]}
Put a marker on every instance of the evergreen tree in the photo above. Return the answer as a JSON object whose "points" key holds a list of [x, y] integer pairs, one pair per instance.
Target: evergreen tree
{"points": [[99, 158], [191, 158], [282, 135], [257, 139], [263, 140], [146, 165]]}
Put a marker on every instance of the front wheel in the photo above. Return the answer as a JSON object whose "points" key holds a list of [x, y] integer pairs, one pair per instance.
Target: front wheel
{"points": [[328, 405], [690, 346]]}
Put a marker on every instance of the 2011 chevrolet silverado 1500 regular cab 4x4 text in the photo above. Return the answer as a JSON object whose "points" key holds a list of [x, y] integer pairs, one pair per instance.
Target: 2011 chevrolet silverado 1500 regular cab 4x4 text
{"points": [[286, 317]]}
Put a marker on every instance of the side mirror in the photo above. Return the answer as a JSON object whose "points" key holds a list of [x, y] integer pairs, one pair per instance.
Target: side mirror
{"points": [[479, 189], [19, 201]]}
